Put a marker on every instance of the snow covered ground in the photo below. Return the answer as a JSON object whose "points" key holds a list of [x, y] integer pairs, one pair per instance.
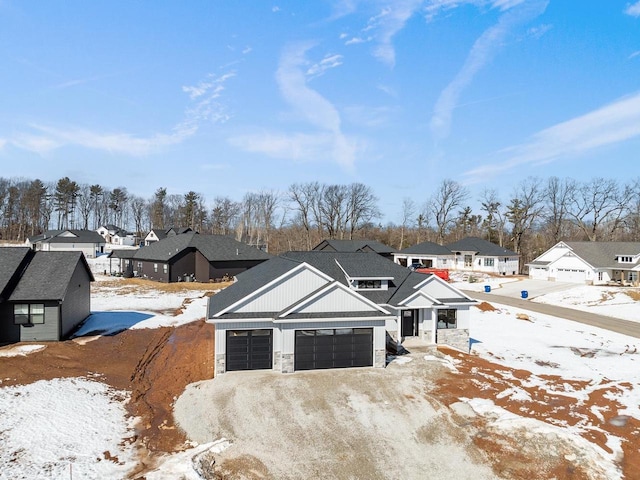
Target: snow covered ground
{"points": [[78, 426]]}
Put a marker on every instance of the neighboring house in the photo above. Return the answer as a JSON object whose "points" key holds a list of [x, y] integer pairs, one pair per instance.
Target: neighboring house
{"points": [[116, 236], [355, 246], [44, 296], [191, 256], [88, 242], [121, 262], [594, 263], [473, 254], [429, 254], [314, 310], [157, 234]]}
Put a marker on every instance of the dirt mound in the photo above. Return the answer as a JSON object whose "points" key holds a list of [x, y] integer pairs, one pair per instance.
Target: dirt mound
{"points": [[486, 307]]}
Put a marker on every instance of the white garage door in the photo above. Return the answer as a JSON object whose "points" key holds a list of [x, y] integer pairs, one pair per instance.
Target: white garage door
{"points": [[571, 275]]}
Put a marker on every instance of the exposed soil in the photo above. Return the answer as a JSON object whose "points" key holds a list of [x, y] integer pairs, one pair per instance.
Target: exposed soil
{"points": [[156, 365], [515, 455]]}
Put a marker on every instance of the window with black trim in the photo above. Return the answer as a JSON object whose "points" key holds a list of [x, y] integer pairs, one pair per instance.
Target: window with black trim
{"points": [[447, 318], [369, 284], [28, 313]]}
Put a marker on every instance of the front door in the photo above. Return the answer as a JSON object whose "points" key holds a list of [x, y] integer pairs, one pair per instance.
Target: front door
{"points": [[409, 323]]}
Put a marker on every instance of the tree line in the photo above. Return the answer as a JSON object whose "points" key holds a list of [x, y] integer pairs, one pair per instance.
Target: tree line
{"points": [[534, 215]]}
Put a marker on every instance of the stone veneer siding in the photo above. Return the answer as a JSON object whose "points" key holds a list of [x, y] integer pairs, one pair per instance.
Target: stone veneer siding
{"points": [[380, 358], [221, 365], [456, 338], [287, 363]]}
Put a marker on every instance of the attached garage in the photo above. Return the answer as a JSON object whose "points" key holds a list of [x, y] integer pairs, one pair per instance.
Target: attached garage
{"points": [[571, 275], [333, 348], [249, 349]]}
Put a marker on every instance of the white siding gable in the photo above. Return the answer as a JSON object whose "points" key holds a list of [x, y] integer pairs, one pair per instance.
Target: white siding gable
{"points": [[420, 300], [436, 288], [554, 253], [335, 299], [289, 290]]}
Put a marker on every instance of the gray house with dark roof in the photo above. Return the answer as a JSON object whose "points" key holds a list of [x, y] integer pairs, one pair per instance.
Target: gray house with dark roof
{"points": [[594, 263], [44, 296], [88, 242], [194, 256], [313, 310], [346, 246], [428, 254], [473, 254]]}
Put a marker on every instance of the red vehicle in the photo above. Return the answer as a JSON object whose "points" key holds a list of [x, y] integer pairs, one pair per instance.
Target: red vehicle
{"points": [[443, 273]]}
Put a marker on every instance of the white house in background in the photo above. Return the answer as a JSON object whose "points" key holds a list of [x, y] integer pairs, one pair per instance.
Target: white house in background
{"points": [[116, 236], [428, 254], [157, 234], [594, 263], [473, 254], [86, 241], [314, 310]]}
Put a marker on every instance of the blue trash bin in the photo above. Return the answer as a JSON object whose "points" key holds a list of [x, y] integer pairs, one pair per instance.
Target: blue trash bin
{"points": [[524, 294], [487, 288]]}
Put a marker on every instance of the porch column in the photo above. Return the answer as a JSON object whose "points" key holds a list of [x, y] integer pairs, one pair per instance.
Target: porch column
{"points": [[434, 325]]}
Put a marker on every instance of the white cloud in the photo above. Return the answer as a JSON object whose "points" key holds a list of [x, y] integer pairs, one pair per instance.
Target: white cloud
{"points": [[247, 49], [634, 54], [327, 142], [51, 138], [204, 107], [356, 40], [539, 31], [633, 9], [327, 63], [387, 23], [481, 53], [275, 9], [3, 142], [608, 125]]}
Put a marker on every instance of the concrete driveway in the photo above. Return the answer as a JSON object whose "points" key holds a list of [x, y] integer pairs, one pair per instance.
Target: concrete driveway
{"points": [[535, 288]]}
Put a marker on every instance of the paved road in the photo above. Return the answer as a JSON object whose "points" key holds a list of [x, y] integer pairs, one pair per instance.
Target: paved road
{"points": [[614, 324]]}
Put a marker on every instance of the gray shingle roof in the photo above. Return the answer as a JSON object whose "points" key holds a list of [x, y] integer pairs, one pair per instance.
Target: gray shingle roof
{"points": [[48, 275], [356, 264], [427, 248], [79, 236], [603, 254], [355, 246], [481, 247], [213, 247], [250, 281], [11, 258]]}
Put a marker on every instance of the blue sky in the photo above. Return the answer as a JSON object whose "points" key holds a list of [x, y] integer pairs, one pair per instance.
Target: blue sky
{"points": [[226, 97]]}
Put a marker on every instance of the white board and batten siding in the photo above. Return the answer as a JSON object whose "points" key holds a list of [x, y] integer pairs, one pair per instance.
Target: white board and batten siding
{"points": [[284, 293], [336, 300]]}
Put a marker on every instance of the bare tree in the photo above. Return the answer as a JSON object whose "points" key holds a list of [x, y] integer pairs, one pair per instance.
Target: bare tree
{"points": [[496, 218], [449, 196], [332, 209], [139, 209], [558, 194], [361, 205], [224, 215], [524, 209], [305, 197], [408, 213], [267, 203], [597, 203]]}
